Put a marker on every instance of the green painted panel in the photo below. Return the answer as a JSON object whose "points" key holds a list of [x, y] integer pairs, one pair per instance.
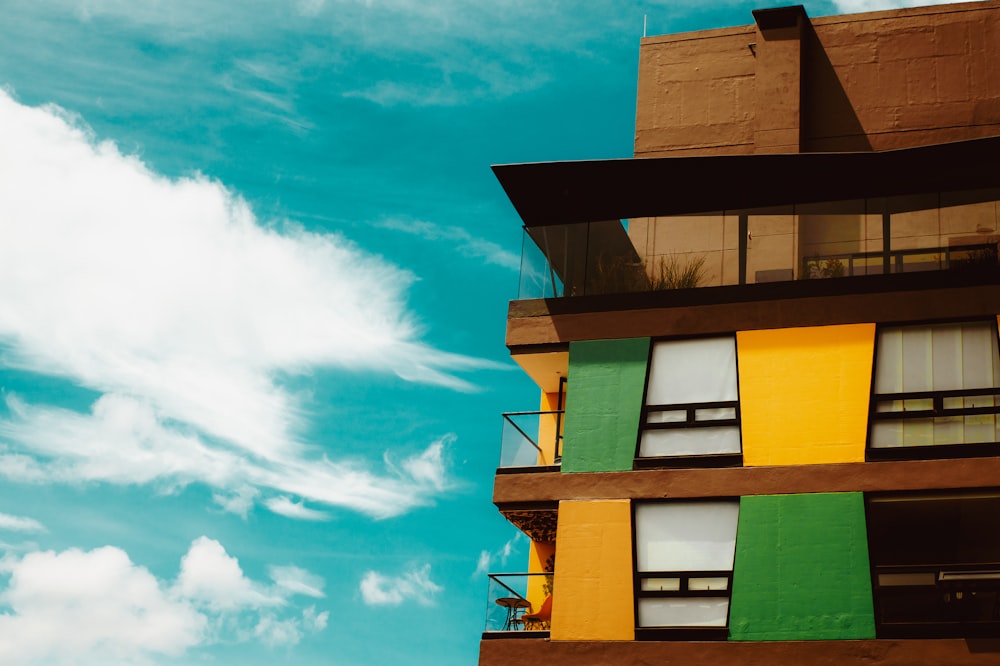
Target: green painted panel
{"points": [[603, 404], [801, 570]]}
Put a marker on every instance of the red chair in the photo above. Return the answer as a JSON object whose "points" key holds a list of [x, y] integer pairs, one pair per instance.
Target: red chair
{"points": [[541, 619]]}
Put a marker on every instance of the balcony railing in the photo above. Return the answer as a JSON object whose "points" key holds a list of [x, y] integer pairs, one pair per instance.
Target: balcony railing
{"points": [[956, 231], [512, 596], [531, 439]]}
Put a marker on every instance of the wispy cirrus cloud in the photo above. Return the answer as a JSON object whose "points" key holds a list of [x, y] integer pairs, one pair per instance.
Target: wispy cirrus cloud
{"points": [[121, 613], [12, 523], [284, 506], [500, 556], [187, 315], [465, 243], [414, 585], [455, 52], [858, 6]]}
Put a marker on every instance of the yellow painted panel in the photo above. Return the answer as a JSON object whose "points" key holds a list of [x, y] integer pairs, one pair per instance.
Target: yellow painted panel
{"points": [[592, 597], [804, 393], [541, 556], [547, 428]]}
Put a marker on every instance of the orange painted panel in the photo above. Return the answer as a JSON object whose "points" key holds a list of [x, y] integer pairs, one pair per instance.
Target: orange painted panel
{"points": [[804, 393], [592, 597], [547, 424], [541, 556]]}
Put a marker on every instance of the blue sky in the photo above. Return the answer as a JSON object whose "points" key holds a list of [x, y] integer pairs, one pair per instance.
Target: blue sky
{"points": [[256, 273]]}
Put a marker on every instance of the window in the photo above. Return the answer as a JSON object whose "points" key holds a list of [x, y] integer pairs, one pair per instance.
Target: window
{"points": [[684, 555], [935, 385], [692, 407], [935, 564]]}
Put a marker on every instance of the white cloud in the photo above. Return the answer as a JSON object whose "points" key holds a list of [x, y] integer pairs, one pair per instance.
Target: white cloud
{"points": [[170, 299], [118, 612], [487, 559], [209, 576], [465, 242], [238, 501], [414, 585], [483, 563], [121, 613], [297, 581], [858, 6], [286, 507], [13, 523]]}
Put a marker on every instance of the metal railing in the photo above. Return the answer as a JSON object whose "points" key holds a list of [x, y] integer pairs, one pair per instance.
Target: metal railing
{"points": [[511, 596], [519, 448]]}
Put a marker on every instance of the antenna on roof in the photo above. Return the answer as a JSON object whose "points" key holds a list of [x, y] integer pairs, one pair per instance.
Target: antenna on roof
{"points": [[644, 17]]}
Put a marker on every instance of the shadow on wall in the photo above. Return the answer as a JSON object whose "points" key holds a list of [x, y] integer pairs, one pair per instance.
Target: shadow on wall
{"points": [[829, 122]]}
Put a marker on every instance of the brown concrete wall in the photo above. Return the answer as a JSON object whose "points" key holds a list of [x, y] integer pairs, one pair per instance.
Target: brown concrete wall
{"points": [[696, 93], [911, 77], [954, 652], [878, 81]]}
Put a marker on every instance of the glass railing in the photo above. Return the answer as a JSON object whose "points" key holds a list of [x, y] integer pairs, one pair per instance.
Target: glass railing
{"points": [[519, 602], [531, 439], [932, 232]]}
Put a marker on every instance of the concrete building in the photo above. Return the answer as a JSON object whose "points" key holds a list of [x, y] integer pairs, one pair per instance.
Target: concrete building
{"points": [[767, 355]]}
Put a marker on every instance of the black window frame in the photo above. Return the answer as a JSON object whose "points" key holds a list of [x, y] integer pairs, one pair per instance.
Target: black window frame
{"points": [[956, 589], [691, 418], [937, 410], [680, 633]]}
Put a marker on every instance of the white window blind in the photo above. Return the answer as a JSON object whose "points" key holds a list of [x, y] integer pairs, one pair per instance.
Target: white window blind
{"points": [[935, 358], [679, 537], [684, 372]]}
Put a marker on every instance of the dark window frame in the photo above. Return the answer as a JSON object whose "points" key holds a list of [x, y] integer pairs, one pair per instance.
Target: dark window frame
{"points": [[938, 410], [947, 580], [691, 420], [680, 633]]}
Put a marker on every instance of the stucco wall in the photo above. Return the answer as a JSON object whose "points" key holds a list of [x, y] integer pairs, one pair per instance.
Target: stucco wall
{"points": [[606, 380], [868, 81]]}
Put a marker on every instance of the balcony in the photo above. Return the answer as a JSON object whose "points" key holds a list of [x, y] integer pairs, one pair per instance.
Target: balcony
{"points": [[531, 441], [940, 231], [516, 605]]}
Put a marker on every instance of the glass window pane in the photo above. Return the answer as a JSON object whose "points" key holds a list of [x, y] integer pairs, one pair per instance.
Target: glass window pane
{"points": [[893, 580], [660, 584], [669, 416], [716, 414], [689, 441], [979, 428], [887, 434], [686, 536], [687, 371], [945, 357], [889, 366], [946, 361], [916, 358], [714, 583], [918, 404], [978, 357], [709, 612], [918, 432]]}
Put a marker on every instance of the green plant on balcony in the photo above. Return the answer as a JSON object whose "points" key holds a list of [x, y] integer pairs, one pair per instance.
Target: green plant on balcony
{"points": [[818, 267], [616, 274], [549, 567], [673, 273]]}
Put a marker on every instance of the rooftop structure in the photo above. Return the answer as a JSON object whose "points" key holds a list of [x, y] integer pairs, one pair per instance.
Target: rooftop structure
{"points": [[768, 358]]}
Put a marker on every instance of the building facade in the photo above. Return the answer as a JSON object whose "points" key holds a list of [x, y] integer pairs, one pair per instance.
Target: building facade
{"points": [[768, 360]]}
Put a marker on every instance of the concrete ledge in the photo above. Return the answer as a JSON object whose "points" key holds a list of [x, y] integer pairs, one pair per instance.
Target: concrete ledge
{"points": [[522, 490], [954, 652]]}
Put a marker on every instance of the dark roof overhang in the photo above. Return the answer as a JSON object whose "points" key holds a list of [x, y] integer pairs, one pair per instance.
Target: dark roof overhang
{"points": [[548, 193]]}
